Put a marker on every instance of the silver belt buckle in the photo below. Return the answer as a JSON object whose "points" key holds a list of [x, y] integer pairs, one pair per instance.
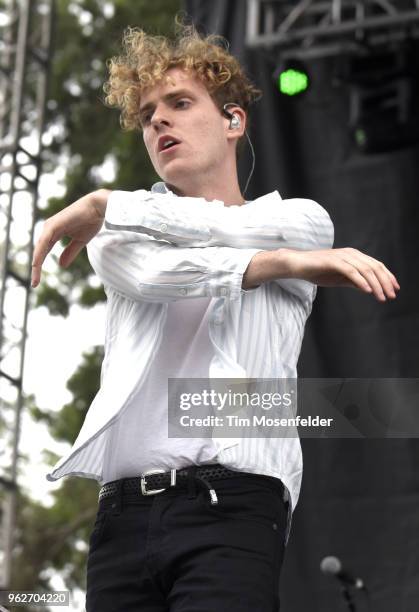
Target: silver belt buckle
{"points": [[143, 482]]}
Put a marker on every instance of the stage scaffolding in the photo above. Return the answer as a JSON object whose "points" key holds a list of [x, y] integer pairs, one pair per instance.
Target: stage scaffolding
{"points": [[316, 28], [25, 50]]}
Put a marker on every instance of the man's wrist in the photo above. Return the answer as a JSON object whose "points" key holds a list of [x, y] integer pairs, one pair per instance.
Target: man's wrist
{"points": [[267, 266]]}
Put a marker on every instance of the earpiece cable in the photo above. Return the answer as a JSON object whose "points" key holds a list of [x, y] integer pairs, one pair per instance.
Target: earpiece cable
{"points": [[253, 161], [250, 143]]}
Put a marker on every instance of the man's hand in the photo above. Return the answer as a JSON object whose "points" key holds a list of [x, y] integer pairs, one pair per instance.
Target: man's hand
{"points": [[345, 267], [81, 221]]}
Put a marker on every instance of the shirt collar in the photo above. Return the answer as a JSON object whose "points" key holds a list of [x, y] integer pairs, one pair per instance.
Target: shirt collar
{"points": [[161, 187]]}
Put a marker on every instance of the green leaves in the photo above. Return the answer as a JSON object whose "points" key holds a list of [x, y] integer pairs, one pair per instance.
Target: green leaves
{"points": [[53, 299], [84, 132]]}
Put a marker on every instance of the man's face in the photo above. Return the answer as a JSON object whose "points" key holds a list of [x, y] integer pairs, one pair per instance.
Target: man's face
{"points": [[184, 110]]}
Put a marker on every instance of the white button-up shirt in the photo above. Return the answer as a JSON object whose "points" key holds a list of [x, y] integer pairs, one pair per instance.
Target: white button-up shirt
{"points": [[155, 247]]}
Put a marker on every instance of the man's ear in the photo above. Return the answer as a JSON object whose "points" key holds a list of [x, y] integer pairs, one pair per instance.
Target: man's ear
{"points": [[240, 114]]}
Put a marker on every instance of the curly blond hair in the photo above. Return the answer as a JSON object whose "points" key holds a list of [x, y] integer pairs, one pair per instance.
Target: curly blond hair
{"points": [[146, 59]]}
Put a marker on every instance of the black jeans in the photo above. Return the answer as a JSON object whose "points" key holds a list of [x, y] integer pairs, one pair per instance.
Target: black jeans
{"points": [[175, 552]]}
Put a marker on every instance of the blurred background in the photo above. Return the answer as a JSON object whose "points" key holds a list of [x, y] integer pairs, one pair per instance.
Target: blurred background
{"points": [[338, 123]]}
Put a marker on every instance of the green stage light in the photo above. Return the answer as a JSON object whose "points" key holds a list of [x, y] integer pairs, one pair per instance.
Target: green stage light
{"points": [[292, 82], [360, 137]]}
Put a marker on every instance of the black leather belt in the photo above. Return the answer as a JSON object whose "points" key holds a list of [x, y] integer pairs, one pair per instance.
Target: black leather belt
{"points": [[156, 481]]}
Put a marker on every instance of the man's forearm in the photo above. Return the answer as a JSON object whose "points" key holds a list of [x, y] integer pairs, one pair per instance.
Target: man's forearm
{"points": [[99, 200], [266, 266]]}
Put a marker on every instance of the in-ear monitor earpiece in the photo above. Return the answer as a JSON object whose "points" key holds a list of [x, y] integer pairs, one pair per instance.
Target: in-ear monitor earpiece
{"points": [[235, 121]]}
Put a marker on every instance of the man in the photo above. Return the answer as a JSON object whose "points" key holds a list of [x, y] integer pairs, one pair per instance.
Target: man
{"points": [[200, 284]]}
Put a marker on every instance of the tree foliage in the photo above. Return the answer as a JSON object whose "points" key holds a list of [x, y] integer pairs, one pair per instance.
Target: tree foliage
{"points": [[85, 135]]}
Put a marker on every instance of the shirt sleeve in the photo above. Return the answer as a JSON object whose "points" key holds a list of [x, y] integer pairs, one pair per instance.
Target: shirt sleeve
{"points": [[183, 221], [143, 268], [296, 223]]}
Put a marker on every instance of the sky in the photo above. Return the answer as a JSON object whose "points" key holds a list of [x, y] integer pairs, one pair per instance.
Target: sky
{"points": [[54, 349], [53, 352]]}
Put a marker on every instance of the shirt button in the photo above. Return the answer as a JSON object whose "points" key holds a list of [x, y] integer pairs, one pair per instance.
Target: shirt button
{"points": [[183, 291], [163, 227], [223, 291], [218, 321]]}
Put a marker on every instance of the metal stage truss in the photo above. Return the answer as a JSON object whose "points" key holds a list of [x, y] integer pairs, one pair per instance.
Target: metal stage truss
{"points": [[315, 28], [25, 49]]}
